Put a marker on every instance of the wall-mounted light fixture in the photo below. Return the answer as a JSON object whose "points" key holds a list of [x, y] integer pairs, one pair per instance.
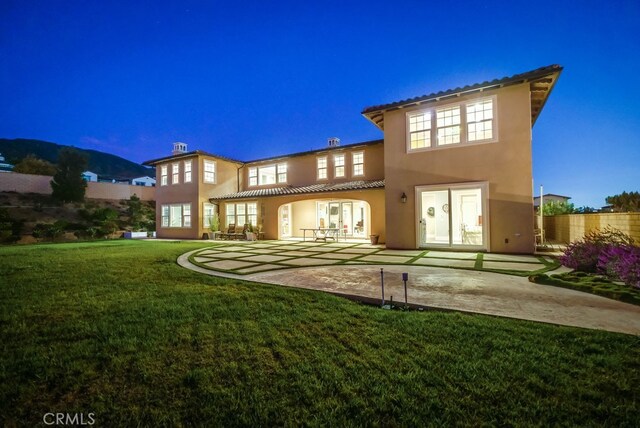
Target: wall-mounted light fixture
{"points": [[403, 198]]}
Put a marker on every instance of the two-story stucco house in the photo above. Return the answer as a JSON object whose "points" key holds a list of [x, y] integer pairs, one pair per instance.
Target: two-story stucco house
{"points": [[454, 171]]}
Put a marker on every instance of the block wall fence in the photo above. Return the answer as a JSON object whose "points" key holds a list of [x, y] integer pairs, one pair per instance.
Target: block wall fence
{"points": [[570, 227], [29, 183]]}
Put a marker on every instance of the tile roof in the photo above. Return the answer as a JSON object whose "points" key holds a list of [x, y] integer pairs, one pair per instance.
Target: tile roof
{"points": [[374, 113], [299, 190]]}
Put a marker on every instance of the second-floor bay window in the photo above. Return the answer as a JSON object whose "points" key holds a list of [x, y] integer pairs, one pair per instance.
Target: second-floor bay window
{"points": [[322, 168]]}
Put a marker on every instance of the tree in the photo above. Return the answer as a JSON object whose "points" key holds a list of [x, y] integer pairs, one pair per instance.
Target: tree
{"points": [[34, 165], [625, 202], [557, 208], [68, 184]]}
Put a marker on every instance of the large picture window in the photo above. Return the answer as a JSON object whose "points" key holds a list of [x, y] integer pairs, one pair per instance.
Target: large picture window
{"points": [[268, 174], [452, 125], [242, 213], [176, 215]]}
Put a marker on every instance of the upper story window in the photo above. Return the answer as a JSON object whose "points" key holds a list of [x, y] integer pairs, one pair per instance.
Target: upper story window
{"points": [[338, 163], [268, 174], [322, 168], [164, 175], [480, 120], [175, 173], [209, 171], [187, 171], [358, 163], [453, 124]]}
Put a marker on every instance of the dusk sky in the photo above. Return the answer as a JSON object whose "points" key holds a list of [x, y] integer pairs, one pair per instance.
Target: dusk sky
{"points": [[256, 79]]}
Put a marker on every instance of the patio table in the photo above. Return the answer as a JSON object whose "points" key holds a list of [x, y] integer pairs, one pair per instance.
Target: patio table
{"points": [[321, 233]]}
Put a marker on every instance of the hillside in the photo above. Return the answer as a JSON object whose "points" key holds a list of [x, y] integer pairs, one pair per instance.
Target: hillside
{"points": [[103, 164]]}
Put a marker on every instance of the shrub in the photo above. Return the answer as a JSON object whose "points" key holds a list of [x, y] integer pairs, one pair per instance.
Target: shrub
{"points": [[621, 262], [583, 254]]}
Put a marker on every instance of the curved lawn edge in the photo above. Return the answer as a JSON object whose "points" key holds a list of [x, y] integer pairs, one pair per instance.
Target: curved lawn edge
{"points": [[621, 294]]}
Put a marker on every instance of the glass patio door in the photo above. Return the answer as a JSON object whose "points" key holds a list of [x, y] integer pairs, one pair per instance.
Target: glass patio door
{"points": [[285, 221], [341, 217], [452, 216]]}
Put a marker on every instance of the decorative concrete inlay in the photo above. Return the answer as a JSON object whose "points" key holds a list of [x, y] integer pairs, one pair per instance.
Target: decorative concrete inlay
{"points": [[229, 264], [357, 250], [525, 267], [230, 255], [510, 258], [450, 255], [287, 247], [306, 243], [264, 258], [445, 262], [254, 245], [337, 256], [319, 248], [296, 254], [204, 259], [340, 244], [206, 253], [231, 248], [309, 262], [409, 253], [262, 250], [385, 259], [259, 268]]}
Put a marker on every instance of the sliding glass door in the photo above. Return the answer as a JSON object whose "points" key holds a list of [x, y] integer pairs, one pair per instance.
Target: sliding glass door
{"points": [[452, 216]]}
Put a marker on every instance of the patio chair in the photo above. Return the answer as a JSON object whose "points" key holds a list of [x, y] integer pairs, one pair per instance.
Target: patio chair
{"points": [[243, 234], [230, 233]]}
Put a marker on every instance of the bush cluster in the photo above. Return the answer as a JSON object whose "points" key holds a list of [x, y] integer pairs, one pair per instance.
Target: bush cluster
{"points": [[609, 252]]}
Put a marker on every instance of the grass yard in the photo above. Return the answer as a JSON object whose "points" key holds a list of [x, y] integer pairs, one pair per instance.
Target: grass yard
{"points": [[118, 329]]}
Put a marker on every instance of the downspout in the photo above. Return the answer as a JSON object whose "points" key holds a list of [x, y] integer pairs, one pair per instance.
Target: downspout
{"points": [[238, 177]]}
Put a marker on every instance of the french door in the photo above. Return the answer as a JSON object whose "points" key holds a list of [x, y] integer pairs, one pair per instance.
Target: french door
{"points": [[453, 216]]}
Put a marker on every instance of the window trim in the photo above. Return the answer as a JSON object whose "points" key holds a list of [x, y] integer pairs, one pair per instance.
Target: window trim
{"points": [[464, 130], [353, 163]]}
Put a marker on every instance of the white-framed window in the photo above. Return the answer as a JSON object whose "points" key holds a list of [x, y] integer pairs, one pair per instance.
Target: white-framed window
{"points": [[268, 174], [322, 168], [175, 173], [242, 213], [480, 120], [253, 176], [338, 164], [164, 175], [358, 163], [452, 125], [448, 125], [176, 215], [209, 175], [282, 173], [187, 171], [208, 210], [420, 130]]}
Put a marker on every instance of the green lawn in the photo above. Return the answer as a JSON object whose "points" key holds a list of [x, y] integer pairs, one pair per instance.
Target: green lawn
{"points": [[119, 330]]}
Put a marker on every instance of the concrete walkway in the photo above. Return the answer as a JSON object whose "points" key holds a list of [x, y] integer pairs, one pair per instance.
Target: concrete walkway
{"points": [[456, 289]]}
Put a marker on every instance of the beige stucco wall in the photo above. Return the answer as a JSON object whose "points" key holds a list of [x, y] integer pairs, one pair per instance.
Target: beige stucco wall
{"points": [[30, 183], [302, 170], [197, 192], [505, 165], [570, 227], [268, 210]]}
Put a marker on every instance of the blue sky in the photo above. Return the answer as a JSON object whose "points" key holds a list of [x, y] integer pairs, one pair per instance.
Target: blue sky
{"points": [[256, 79]]}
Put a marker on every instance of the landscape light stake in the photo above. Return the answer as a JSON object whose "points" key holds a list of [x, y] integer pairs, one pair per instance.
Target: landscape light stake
{"points": [[405, 278], [382, 284]]}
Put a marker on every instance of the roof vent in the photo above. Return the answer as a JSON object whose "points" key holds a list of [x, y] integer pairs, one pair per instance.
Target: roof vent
{"points": [[179, 148], [334, 141]]}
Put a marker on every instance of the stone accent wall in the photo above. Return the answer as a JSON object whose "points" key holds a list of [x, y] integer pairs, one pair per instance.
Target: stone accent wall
{"points": [[29, 183], [570, 227]]}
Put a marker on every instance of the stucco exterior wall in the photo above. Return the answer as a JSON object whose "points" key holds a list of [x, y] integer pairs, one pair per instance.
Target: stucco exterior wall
{"points": [[30, 183], [570, 227], [302, 170], [505, 165]]}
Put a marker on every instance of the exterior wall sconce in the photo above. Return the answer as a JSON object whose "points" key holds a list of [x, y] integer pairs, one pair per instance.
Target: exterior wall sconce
{"points": [[403, 198]]}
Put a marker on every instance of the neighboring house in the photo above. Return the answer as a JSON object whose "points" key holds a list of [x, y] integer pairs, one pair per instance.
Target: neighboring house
{"points": [[4, 166], [454, 171], [549, 197], [90, 176], [143, 181]]}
